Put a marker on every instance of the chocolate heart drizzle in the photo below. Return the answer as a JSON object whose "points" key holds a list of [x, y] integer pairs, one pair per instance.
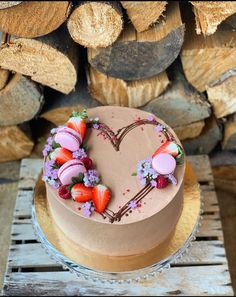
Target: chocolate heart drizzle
{"points": [[116, 139]]}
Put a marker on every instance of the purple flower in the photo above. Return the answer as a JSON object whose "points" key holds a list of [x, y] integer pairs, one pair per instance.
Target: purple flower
{"points": [[145, 171], [47, 149], [96, 126], [87, 205], [153, 183], [159, 128], [133, 204], [91, 178], [79, 154], [88, 209], [50, 140], [54, 173], [55, 184], [172, 179], [54, 131], [150, 118]]}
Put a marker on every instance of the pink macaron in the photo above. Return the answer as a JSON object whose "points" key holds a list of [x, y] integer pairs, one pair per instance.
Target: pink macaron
{"points": [[164, 163], [69, 170], [68, 138]]}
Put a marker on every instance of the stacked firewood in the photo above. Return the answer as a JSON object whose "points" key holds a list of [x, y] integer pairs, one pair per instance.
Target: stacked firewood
{"points": [[175, 60]]}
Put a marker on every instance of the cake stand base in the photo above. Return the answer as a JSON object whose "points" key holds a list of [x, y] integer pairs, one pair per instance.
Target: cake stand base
{"points": [[89, 264]]}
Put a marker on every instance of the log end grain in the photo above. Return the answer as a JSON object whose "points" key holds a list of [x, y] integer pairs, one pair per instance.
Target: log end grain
{"points": [[95, 24], [189, 131], [43, 63], [7, 4]]}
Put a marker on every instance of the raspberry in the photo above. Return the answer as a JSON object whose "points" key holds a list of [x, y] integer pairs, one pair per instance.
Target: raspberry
{"points": [[162, 182], [64, 193], [88, 163]]}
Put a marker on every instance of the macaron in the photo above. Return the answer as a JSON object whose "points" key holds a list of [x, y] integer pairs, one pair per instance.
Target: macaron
{"points": [[164, 163], [69, 170], [68, 138]]}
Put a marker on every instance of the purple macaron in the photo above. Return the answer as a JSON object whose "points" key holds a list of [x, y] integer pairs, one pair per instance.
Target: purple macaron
{"points": [[69, 170], [164, 163], [68, 138]]}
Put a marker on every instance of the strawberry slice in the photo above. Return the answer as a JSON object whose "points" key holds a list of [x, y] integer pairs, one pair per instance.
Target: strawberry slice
{"points": [[80, 193], [61, 155], [168, 147], [101, 197], [77, 122]]}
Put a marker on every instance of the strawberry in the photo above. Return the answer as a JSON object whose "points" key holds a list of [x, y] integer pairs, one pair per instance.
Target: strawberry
{"points": [[80, 193], [78, 122], [61, 155], [162, 182], [168, 147], [101, 197], [64, 192]]}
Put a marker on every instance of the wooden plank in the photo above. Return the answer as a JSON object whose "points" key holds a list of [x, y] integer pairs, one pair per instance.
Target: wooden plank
{"points": [[210, 202], [22, 231], [23, 204], [211, 227], [195, 281], [30, 169], [206, 252], [201, 165]]}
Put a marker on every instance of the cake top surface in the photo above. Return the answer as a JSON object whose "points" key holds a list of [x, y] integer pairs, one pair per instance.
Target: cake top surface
{"points": [[138, 157]]}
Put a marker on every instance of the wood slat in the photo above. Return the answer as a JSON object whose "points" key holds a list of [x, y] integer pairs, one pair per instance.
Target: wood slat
{"points": [[33, 255], [23, 204], [195, 281], [210, 202], [30, 169], [22, 231]]}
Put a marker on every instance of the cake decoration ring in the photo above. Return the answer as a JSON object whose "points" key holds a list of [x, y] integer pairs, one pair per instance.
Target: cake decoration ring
{"points": [[69, 169]]}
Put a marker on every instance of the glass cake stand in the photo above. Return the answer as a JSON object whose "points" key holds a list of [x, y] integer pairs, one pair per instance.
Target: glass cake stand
{"points": [[180, 242]]}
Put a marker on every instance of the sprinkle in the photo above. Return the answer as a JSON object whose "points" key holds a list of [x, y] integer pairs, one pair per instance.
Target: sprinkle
{"points": [[150, 118], [133, 204], [159, 128]]}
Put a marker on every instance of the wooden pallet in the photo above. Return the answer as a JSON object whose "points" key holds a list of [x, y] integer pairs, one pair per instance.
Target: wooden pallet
{"points": [[203, 271]]}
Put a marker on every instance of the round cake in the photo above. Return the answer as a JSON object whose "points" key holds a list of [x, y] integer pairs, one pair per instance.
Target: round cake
{"points": [[114, 180]]}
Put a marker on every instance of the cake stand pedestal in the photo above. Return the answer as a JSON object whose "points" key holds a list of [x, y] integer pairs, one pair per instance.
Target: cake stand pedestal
{"points": [[31, 271]]}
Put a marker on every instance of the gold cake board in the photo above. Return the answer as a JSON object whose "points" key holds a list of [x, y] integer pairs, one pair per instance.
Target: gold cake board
{"points": [[184, 230]]}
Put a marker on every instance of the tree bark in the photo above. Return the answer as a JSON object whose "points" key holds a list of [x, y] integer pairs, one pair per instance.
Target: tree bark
{"points": [[96, 24], [141, 55], [229, 141]]}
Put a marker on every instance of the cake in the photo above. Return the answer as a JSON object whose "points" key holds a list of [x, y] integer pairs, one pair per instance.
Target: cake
{"points": [[114, 180]]}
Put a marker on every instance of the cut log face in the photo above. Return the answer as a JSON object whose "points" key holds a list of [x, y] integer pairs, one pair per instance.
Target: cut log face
{"points": [[209, 14], [144, 13], [223, 97], [34, 18], [206, 59], [96, 24], [14, 144], [20, 101], [211, 135], [7, 4], [190, 131], [114, 91], [141, 55], [180, 104], [51, 60]]}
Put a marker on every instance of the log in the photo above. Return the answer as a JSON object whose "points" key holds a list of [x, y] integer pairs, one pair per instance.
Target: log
{"points": [[207, 141], [96, 24], [51, 60], [7, 4], [4, 75], [34, 18], [143, 14], [59, 107], [14, 144], [206, 58], [222, 96], [20, 100], [114, 91], [180, 104], [189, 131], [209, 14], [229, 141], [141, 55]]}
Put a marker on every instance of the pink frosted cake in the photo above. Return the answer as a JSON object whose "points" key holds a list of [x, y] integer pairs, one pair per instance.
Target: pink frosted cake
{"points": [[114, 180]]}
